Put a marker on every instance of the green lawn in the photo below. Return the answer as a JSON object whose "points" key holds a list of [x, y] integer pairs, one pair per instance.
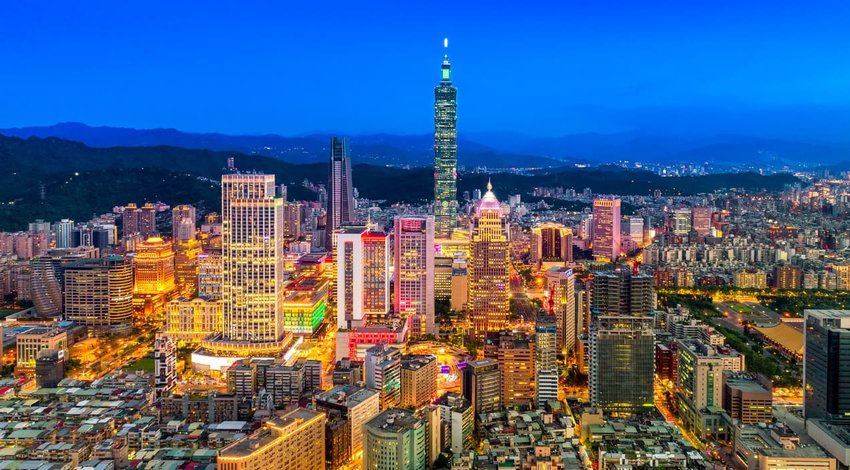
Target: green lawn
{"points": [[740, 308], [146, 364]]}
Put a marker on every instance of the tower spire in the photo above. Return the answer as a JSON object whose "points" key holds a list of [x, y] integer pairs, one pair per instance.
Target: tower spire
{"points": [[447, 67], [489, 184]]}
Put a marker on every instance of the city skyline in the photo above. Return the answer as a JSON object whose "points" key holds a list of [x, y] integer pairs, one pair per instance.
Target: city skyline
{"points": [[193, 305]]}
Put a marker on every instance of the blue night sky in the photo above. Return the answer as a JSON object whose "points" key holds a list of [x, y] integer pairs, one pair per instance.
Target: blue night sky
{"points": [[772, 68]]}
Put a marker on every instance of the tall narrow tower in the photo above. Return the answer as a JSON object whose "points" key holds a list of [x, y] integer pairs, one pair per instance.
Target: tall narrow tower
{"points": [[445, 153], [252, 268], [489, 268], [340, 192]]}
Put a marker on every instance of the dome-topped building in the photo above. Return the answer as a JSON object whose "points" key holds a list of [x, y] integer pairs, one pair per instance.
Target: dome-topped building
{"points": [[489, 202], [489, 264]]}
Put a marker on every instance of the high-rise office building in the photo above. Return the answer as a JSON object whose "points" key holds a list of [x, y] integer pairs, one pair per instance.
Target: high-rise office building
{"points": [[130, 220], [700, 376], [186, 256], [826, 395], [489, 268], [295, 440], [622, 293], [515, 353], [701, 221], [363, 276], [551, 242], [99, 292], [48, 276], [456, 415], [606, 228], [383, 374], [252, 262], [413, 239], [340, 190], [633, 227], [561, 294], [292, 220], [147, 221], [64, 233], [153, 267], [482, 385], [209, 275], [395, 440], [445, 153], [183, 219], [622, 364], [546, 360], [418, 380], [681, 221]]}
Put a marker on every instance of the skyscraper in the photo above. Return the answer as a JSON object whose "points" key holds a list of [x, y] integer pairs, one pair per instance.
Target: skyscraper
{"points": [[606, 228], [482, 385], [413, 240], [489, 264], [340, 190], [363, 276], [183, 218], [252, 254], [153, 267], [622, 293], [622, 364], [99, 292], [546, 361], [561, 292], [64, 232], [551, 243], [701, 220], [445, 153], [826, 395], [383, 374]]}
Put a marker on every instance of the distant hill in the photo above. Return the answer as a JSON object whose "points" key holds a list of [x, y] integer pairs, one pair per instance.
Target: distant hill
{"points": [[376, 149], [79, 180]]}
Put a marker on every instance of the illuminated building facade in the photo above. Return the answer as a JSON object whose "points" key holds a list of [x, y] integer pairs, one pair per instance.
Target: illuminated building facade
{"points": [[357, 404], [153, 267], [551, 242], [561, 297], [606, 228], [701, 221], [340, 190], [363, 276], [482, 386], [186, 266], [546, 359], [383, 374], [252, 270], [354, 343], [209, 275], [183, 220], [516, 354], [445, 153], [622, 364], [418, 380], [413, 239], [488, 268], [192, 320], [395, 440], [305, 305], [99, 292], [29, 343], [295, 440]]}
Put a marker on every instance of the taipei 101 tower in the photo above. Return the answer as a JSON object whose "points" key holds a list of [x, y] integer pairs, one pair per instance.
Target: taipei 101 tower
{"points": [[445, 153]]}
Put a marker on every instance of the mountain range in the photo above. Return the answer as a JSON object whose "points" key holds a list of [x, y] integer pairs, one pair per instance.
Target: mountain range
{"points": [[53, 178], [494, 150]]}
